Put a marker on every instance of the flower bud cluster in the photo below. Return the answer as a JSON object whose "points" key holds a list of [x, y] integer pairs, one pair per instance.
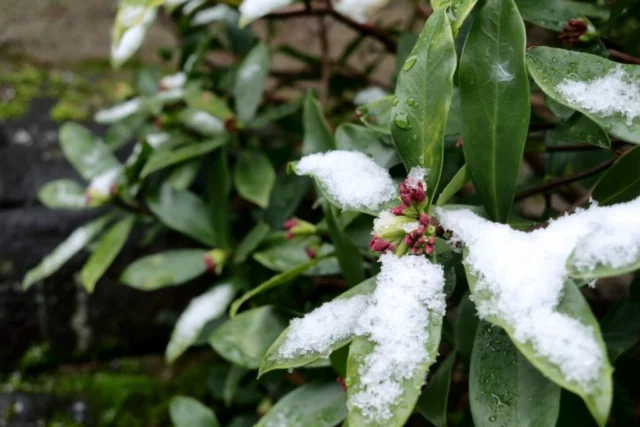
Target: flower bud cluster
{"points": [[215, 260], [296, 227], [577, 31]]}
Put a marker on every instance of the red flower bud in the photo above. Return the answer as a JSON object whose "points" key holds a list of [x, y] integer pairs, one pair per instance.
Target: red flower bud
{"points": [[340, 381], [310, 253], [429, 250], [398, 210], [290, 223], [431, 241], [376, 244], [210, 264], [425, 219], [459, 143]]}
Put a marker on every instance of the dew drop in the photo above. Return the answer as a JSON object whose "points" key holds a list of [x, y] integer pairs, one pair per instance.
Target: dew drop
{"points": [[411, 101], [401, 120], [395, 101], [492, 418], [410, 62]]}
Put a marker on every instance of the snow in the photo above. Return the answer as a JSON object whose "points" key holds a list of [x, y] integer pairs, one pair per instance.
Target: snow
{"points": [[192, 5], [323, 327], [173, 81], [368, 95], [351, 178], [199, 312], [171, 95], [204, 122], [250, 10], [213, 14], [395, 318], [118, 112], [521, 276], [386, 222], [103, 183], [136, 20], [156, 139], [416, 175], [615, 93], [360, 10]]}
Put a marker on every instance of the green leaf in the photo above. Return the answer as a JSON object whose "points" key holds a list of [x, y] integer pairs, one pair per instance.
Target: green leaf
{"points": [[198, 99], [494, 92], [244, 340], [201, 121], [62, 194], [133, 19], [164, 269], [65, 251], [460, 10], [600, 270], [580, 128], [548, 67], [377, 114], [105, 252], [317, 134], [573, 305], [183, 175], [201, 310], [551, 14], [184, 212], [218, 190], [465, 328], [254, 177], [411, 387], [282, 255], [274, 281], [457, 182], [232, 383], [432, 403], [251, 241], [348, 255], [350, 137], [87, 153], [423, 97], [312, 405], [621, 183], [274, 113], [286, 196], [188, 412], [250, 81], [504, 388], [161, 159], [273, 361]]}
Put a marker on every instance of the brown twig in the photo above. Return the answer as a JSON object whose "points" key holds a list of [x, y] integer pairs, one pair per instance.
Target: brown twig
{"points": [[623, 57], [564, 181], [325, 69]]}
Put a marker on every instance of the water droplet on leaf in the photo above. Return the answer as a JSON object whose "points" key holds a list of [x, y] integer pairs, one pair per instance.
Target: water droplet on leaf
{"points": [[410, 62], [401, 120]]}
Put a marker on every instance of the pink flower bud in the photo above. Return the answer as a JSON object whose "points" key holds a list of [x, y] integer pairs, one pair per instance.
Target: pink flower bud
{"points": [[432, 241], [398, 210], [342, 383], [290, 223], [310, 253], [429, 250], [376, 244], [425, 219], [459, 143]]}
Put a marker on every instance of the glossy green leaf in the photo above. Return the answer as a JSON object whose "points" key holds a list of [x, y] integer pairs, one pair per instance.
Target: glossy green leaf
{"points": [[168, 268], [87, 153], [551, 14], [277, 280], [423, 97], [254, 177], [465, 328], [580, 128], [201, 310], [600, 270], [161, 159], [598, 399], [548, 67], [432, 403], [244, 340], [273, 361], [207, 101], [201, 121], [282, 255], [317, 134], [133, 19], [65, 251], [350, 137], [188, 412], [621, 183], [411, 387], [106, 251], [457, 182], [62, 194], [351, 262], [377, 114], [184, 212], [287, 194], [312, 405], [460, 9], [274, 113], [183, 175], [218, 190], [251, 241], [250, 82], [494, 94], [232, 383], [504, 388]]}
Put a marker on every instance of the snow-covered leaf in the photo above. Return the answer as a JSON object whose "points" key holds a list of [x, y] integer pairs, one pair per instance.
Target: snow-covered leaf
{"points": [[201, 310], [62, 194], [250, 10], [133, 19], [312, 405], [65, 251], [88, 154], [494, 95], [168, 268], [423, 98], [350, 180], [603, 90], [244, 339], [504, 388], [250, 82], [323, 328]]}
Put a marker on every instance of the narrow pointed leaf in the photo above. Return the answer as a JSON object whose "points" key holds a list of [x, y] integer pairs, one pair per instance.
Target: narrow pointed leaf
{"points": [[281, 255], [312, 405], [163, 158], [188, 412], [352, 137], [272, 359], [62, 194], [377, 114], [317, 134], [621, 183], [168, 268], [65, 251], [457, 182], [551, 14], [494, 94], [251, 241], [250, 82], [254, 177], [460, 9], [87, 153], [580, 128], [244, 339], [106, 251], [218, 190], [504, 388], [348, 255], [610, 108], [432, 403], [423, 98]]}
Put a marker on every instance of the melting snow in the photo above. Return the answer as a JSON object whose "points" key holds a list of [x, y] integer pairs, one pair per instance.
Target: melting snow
{"points": [[136, 20], [369, 95], [360, 10], [250, 10], [616, 92], [118, 112], [173, 81], [103, 183], [521, 276], [351, 178]]}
